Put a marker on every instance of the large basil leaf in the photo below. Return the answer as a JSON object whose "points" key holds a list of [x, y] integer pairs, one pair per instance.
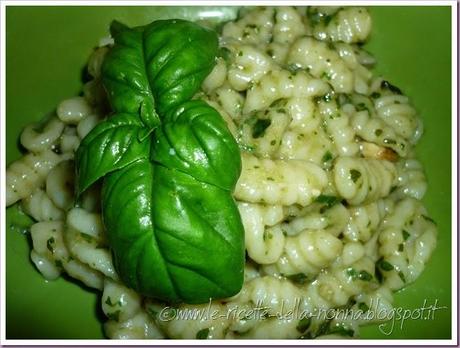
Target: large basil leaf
{"points": [[173, 236], [127, 214], [157, 67], [200, 227], [109, 146], [124, 75], [179, 55], [195, 139]]}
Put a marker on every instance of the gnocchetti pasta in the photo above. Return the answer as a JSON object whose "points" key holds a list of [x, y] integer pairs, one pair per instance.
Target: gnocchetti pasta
{"points": [[329, 196]]}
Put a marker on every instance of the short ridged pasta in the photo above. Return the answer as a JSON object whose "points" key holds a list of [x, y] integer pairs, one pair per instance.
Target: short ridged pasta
{"points": [[353, 58], [318, 217], [119, 303], [60, 184], [39, 140], [248, 67], [270, 292], [49, 252], [308, 252], [49, 244], [216, 77], [339, 284], [265, 143], [406, 241], [396, 111], [411, 179], [73, 110], [322, 62], [319, 146], [227, 99], [288, 25], [375, 130], [252, 27], [365, 219], [41, 207], [278, 181], [28, 173], [69, 141], [279, 84], [338, 127], [87, 250], [360, 180], [349, 24], [264, 244]]}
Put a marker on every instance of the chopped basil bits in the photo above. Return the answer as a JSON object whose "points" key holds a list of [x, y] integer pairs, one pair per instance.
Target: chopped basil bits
{"points": [[258, 130], [202, 334], [355, 175]]}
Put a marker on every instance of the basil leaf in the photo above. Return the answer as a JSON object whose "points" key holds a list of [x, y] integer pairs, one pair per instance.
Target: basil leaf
{"points": [[154, 68], [124, 76], [127, 215], [179, 55], [199, 229], [172, 235], [196, 140], [111, 145]]}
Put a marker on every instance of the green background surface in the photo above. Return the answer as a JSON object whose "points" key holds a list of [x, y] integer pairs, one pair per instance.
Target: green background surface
{"points": [[47, 48]]}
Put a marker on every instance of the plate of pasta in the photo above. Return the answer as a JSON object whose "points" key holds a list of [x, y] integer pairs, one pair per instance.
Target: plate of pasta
{"points": [[225, 173]]}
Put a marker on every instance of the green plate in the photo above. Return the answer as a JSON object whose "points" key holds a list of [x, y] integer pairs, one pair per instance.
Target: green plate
{"points": [[47, 48]]}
